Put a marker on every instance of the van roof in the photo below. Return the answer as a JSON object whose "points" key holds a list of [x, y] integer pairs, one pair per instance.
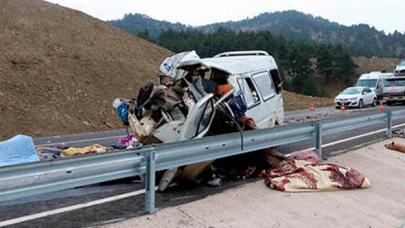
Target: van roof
{"points": [[395, 77], [375, 75], [241, 64]]}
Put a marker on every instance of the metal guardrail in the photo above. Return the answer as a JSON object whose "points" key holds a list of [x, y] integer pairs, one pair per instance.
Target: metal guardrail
{"points": [[44, 177]]}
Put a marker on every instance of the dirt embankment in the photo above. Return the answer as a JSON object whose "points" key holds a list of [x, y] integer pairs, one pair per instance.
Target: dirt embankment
{"points": [[294, 101], [366, 65], [60, 69]]}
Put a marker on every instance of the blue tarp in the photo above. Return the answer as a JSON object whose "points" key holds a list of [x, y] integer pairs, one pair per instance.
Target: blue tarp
{"points": [[17, 150]]}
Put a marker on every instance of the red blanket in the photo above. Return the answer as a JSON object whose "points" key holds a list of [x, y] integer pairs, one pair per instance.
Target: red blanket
{"points": [[294, 175]]}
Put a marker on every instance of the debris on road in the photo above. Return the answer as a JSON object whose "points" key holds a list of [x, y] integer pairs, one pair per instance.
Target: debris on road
{"points": [[74, 151], [399, 132], [129, 141], [48, 153], [306, 174], [17, 150], [396, 146]]}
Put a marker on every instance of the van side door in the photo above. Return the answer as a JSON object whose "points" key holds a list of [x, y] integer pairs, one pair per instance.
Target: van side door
{"points": [[268, 91]]}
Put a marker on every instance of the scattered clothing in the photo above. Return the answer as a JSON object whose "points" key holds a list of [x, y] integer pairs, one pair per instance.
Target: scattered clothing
{"points": [[129, 141], [73, 151], [307, 176], [223, 89], [395, 146], [121, 107], [49, 153], [238, 106], [17, 150]]}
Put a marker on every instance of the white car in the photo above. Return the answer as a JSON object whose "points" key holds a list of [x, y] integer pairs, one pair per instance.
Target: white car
{"points": [[356, 97]]}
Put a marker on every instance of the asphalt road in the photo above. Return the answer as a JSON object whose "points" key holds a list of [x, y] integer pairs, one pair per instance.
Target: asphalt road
{"points": [[111, 137], [133, 206]]}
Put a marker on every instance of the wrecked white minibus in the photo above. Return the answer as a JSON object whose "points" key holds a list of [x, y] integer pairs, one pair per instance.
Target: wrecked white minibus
{"points": [[197, 97]]}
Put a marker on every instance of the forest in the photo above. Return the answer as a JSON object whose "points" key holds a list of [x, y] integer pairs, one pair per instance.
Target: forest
{"points": [[302, 64]]}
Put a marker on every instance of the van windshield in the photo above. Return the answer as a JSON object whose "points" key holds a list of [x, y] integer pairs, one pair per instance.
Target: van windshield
{"points": [[394, 82], [370, 83]]}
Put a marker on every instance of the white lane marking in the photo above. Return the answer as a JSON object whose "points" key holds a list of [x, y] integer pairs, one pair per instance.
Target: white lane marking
{"points": [[70, 208], [356, 137], [142, 191]]}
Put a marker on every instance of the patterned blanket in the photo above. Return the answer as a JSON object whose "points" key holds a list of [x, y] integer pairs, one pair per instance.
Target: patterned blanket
{"points": [[292, 175]]}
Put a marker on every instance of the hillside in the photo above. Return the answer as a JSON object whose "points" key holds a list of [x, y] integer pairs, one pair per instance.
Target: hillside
{"points": [[362, 39], [365, 65], [139, 23], [295, 101], [60, 69]]}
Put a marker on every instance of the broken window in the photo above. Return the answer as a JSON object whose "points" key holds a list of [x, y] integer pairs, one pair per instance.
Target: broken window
{"points": [[249, 92], [265, 85], [275, 76], [205, 118]]}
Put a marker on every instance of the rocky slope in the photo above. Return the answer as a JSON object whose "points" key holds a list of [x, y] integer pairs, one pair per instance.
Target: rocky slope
{"points": [[60, 69]]}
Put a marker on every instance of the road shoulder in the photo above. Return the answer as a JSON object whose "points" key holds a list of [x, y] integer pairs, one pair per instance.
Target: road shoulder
{"points": [[255, 205]]}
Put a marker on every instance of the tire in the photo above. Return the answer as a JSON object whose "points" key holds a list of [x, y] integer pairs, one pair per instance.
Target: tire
{"points": [[337, 107], [374, 102], [389, 103], [361, 103]]}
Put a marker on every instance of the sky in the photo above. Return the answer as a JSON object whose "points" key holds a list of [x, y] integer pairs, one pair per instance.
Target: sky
{"points": [[386, 15]]}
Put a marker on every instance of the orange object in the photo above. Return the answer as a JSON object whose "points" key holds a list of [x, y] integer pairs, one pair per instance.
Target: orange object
{"points": [[381, 107], [396, 146], [223, 89], [342, 108], [312, 108]]}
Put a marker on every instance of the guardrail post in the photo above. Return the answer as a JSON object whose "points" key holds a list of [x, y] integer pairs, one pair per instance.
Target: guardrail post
{"points": [[389, 122], [150, 182], [318, 138]]}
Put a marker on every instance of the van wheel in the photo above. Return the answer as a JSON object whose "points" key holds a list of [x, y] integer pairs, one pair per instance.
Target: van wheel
{"points": [[374, 102], [361, 104]]}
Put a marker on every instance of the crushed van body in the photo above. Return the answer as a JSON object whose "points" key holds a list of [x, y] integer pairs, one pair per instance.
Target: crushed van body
{"points": [[195, 97]]}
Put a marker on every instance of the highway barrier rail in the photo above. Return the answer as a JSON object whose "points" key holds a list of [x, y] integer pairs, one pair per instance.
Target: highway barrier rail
{"points": [[49, 176]]}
